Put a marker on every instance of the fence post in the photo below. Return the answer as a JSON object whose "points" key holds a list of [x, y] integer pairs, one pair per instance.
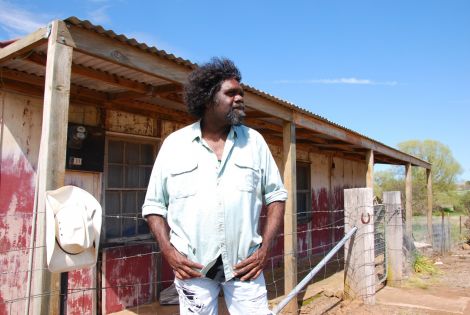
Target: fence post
{"points": [[394, 237], [359, 269]]}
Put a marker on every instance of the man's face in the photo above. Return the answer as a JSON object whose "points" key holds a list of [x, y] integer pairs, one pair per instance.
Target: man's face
{"points": [[228, 103]]}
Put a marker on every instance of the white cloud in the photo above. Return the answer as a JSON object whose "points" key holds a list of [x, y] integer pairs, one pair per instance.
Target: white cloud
{"points": [[17, 21], [100, 16], [352, 80]]}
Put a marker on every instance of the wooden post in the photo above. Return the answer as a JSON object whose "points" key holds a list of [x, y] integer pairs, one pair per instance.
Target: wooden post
{"points": [[429, 193], [393, 237], [359, 269], [290, 217], [370, 169], [51, 164], [409, 199]]}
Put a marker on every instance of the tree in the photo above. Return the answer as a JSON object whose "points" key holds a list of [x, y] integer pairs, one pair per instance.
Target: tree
{"points": [[445, 170]]}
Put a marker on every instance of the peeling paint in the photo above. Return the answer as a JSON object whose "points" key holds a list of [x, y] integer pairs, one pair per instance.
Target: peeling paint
{"points": [[128, 281], [129, 123]]}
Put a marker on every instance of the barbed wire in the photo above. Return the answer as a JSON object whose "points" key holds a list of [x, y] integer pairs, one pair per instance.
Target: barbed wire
{"points": [[307, 256]]}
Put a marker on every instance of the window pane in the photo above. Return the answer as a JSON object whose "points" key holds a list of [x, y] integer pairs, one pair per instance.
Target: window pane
{"points": [[113, 227], [113, 203], [140, 200], [132, 177], [129, 224], [144, 176], [147, 154], [143, 227], [129, 166], [114, 176], [113, 209], [301, 202], [302, 177], [129, 202], [132, 153], [115, 151]]}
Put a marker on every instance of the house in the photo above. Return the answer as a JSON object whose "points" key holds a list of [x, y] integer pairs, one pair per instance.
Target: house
{"points": [[73, 76]]}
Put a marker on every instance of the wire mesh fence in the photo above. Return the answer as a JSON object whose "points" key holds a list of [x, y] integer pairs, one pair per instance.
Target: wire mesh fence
{"points": [[448, 231], [380, 252], [133, 274]]}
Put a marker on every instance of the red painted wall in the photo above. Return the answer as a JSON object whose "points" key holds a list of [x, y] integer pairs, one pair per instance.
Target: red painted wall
{"points": [[129, 277], [20, 122]]}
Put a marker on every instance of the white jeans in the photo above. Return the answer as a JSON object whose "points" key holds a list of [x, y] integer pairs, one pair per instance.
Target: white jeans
{"points": [[200, 296]]}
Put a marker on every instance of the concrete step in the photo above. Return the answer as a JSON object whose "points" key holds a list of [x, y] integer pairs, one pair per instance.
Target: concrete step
{"points": [[425, 301]]}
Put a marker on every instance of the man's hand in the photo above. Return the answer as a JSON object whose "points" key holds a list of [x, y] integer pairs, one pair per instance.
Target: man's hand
{"points": [[182, 266], [252, 267]]}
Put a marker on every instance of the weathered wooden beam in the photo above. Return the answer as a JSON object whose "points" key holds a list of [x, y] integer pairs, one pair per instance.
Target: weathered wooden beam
{"points": [[152, 92], [51, 164], [24, 44], [104, 47], [24, 77], [370, 169], [290, 217], [266, 106], [136, 89], [336, 132]]}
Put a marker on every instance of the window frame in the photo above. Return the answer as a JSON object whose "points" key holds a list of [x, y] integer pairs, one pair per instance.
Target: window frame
{"points": [[133, 139], [305, 216]]}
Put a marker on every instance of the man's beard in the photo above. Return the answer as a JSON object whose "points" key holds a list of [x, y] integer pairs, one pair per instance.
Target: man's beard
{"points": [[235, 116]]}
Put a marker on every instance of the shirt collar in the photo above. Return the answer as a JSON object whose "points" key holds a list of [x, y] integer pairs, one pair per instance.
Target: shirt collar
{"points": [[196, 133]]}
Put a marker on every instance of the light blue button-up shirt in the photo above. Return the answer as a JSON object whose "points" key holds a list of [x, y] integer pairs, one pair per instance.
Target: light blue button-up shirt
{"points": [[213, 207]]}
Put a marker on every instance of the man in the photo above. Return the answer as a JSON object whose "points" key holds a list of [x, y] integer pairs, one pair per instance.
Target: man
{"points": [[205, 194]]}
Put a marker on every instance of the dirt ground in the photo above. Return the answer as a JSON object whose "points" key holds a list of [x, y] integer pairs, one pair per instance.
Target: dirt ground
{"points": [[445, 293]]}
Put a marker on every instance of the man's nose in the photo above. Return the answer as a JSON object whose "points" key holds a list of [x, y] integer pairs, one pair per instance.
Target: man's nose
{"points": [[238, 98]]}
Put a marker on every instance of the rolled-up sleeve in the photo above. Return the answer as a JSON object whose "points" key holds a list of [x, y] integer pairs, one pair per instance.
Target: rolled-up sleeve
{"points": [[273, 188], [156, 199]]}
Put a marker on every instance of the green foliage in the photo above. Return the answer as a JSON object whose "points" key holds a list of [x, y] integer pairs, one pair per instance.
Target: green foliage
{"points": [[424, 265], [464, 203], [445, 170]]}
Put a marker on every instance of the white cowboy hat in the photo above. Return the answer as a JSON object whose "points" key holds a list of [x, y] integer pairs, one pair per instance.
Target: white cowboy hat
{"points": [[73, 226]]}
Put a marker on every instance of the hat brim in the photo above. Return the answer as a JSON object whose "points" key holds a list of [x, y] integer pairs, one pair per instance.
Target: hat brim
{"points": [[57, 259]]}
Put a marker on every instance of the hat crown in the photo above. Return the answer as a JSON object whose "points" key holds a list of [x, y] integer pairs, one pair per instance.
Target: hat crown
{"points": [[74, 228]]}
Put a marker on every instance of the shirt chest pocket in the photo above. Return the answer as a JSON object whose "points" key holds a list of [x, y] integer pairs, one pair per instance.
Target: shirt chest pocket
{"points": [[247, 175], [183, 180]]}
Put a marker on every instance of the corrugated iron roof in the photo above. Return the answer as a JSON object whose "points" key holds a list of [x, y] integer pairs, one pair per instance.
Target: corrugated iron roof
{"points": [[135, 75], [130, 41], [162, 53]]}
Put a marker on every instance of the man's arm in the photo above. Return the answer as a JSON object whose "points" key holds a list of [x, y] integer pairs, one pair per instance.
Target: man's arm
{"points": [[253, 266], [182, 266]]}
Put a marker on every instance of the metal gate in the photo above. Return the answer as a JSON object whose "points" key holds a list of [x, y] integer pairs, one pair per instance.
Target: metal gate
{"points": [[380, 244]]}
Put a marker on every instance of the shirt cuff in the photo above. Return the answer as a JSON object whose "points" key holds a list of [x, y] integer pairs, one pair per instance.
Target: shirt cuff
{"points": [[278, 195], [146, 210]]}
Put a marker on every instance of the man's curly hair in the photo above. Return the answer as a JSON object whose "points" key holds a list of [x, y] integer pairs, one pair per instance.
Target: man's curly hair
{"points": [[205, 81]]}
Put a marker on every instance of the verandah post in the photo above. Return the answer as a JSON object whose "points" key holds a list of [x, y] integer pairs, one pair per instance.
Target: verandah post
{"points": [[290, 217]]}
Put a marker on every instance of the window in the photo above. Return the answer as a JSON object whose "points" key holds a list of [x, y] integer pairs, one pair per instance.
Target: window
{"points": [[128, 168], [304, 209]]}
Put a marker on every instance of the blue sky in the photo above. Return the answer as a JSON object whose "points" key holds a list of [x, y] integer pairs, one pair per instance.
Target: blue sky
{"points": [[391, 70]]}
